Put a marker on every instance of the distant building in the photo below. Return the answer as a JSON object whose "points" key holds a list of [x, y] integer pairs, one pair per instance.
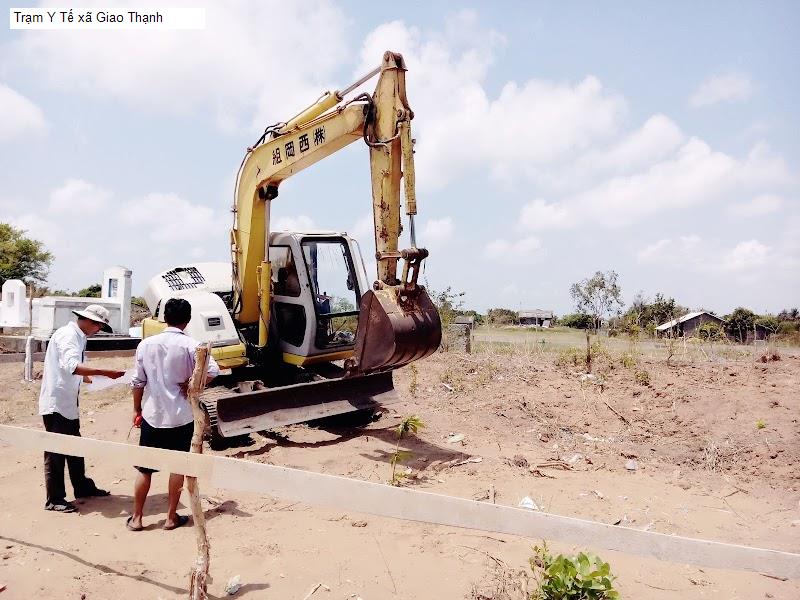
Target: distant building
{"points": [[688, 324], [535, 318]]}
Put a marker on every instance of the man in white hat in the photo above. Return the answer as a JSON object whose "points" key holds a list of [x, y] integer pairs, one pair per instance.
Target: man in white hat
{"points": [[64, 368]]}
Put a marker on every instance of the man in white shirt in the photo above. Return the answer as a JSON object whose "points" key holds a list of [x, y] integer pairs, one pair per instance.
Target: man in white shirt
{"points": [[164, 363], [64, 368]]}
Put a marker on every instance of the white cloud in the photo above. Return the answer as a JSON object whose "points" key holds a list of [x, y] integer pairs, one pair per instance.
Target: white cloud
{"points": [[80, 197], [729, 87], [675, 253], [19, 117], [746, 255], [254, 64], [564, 138], [653, 141], [437, 231], [526, 250], [538, 215], [88, 228], [763, 204], [293, 223], [363, 229], [694, 253], [695, 175], [170, 219], [529, 123]]}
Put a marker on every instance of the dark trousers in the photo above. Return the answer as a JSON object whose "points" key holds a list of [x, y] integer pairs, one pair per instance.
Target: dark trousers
{"points": [[54, 463]]}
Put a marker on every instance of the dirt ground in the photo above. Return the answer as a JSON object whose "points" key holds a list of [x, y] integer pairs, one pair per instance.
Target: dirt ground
{"points": [[715, 447]]}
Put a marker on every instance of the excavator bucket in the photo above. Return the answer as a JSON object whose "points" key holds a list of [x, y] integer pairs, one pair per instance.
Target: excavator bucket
{"points": [[395, 328]]}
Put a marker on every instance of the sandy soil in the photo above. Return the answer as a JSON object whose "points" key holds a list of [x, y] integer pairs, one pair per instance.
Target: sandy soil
{"points": [[704, 468]]}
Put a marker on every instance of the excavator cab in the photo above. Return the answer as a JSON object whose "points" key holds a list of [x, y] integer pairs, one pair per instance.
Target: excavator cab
{"points": [[323, 308], [317, 283]]}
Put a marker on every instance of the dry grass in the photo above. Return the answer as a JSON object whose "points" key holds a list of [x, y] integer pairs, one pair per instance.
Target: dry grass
{"points": [[711, 456], [502, 583]]}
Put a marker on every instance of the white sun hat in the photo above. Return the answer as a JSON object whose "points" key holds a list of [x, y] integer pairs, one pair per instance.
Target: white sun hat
{"points": [[96, 313]]}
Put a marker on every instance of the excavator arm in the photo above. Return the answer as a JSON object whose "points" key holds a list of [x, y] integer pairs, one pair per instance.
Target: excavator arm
{"points": [[397, 321]]}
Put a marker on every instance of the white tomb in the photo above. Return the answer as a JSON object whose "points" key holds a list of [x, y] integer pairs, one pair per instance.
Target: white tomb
{"points": [[14, 308], [52, 312]]}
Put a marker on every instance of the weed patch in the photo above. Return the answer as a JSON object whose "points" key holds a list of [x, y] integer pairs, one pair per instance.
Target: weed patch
{"points": [[642, 377], [628, 360]]}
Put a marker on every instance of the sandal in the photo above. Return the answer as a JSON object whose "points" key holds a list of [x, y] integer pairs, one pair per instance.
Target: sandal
{"points": [[129, 525], [182, 520]]}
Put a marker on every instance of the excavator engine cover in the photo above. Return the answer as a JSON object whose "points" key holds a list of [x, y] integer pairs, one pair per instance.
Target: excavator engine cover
{"points": [[395, 327]]}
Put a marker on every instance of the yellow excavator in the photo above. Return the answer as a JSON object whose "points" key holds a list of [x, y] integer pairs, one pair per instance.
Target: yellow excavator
{"points": [[293, 316]]}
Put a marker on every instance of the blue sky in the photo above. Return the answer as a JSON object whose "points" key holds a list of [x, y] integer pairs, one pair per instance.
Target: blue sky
{"points": [[554, 139]]}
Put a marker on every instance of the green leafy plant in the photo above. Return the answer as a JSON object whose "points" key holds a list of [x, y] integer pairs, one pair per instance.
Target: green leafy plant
{"points": [[761, 424], [580, 577], [408, 426]]}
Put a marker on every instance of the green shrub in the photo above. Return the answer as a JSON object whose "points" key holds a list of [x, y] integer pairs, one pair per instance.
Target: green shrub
{"points": [[502, 316], [580, 577], [711, 331], [577, 321]]}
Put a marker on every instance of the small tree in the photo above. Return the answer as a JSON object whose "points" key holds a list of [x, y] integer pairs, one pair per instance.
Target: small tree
{"points": [[598, 296], [408, 426], [788, 314], [644, 312], [478, 317], [769, 322], [93, 291], [22, 257], [501, 316], [739, 323], [448, 303], [577, 320]]}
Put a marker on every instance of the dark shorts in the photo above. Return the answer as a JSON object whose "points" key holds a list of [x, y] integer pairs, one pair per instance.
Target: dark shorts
{"points": [[167, 438]]}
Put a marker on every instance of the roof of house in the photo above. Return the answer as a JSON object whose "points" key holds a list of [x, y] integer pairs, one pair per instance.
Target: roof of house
{"points": [[536, 314], [684, 318], [464, 320]]}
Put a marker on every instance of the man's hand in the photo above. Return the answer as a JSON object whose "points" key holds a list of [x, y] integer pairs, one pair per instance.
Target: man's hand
{"points": [[184, 388], [113, 374], [137, 418], [87, 379]]}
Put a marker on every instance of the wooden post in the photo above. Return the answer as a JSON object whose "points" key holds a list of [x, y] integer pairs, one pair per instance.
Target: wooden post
{"points": [[588, 353], [197, 589]]}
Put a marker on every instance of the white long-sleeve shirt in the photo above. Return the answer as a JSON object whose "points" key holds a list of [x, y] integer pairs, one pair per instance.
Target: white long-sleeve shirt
{"points": [[60, 385], [163, 362]]}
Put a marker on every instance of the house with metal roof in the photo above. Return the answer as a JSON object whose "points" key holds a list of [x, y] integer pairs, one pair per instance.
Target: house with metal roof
{"points": [[535, 318], [688, 324]]}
